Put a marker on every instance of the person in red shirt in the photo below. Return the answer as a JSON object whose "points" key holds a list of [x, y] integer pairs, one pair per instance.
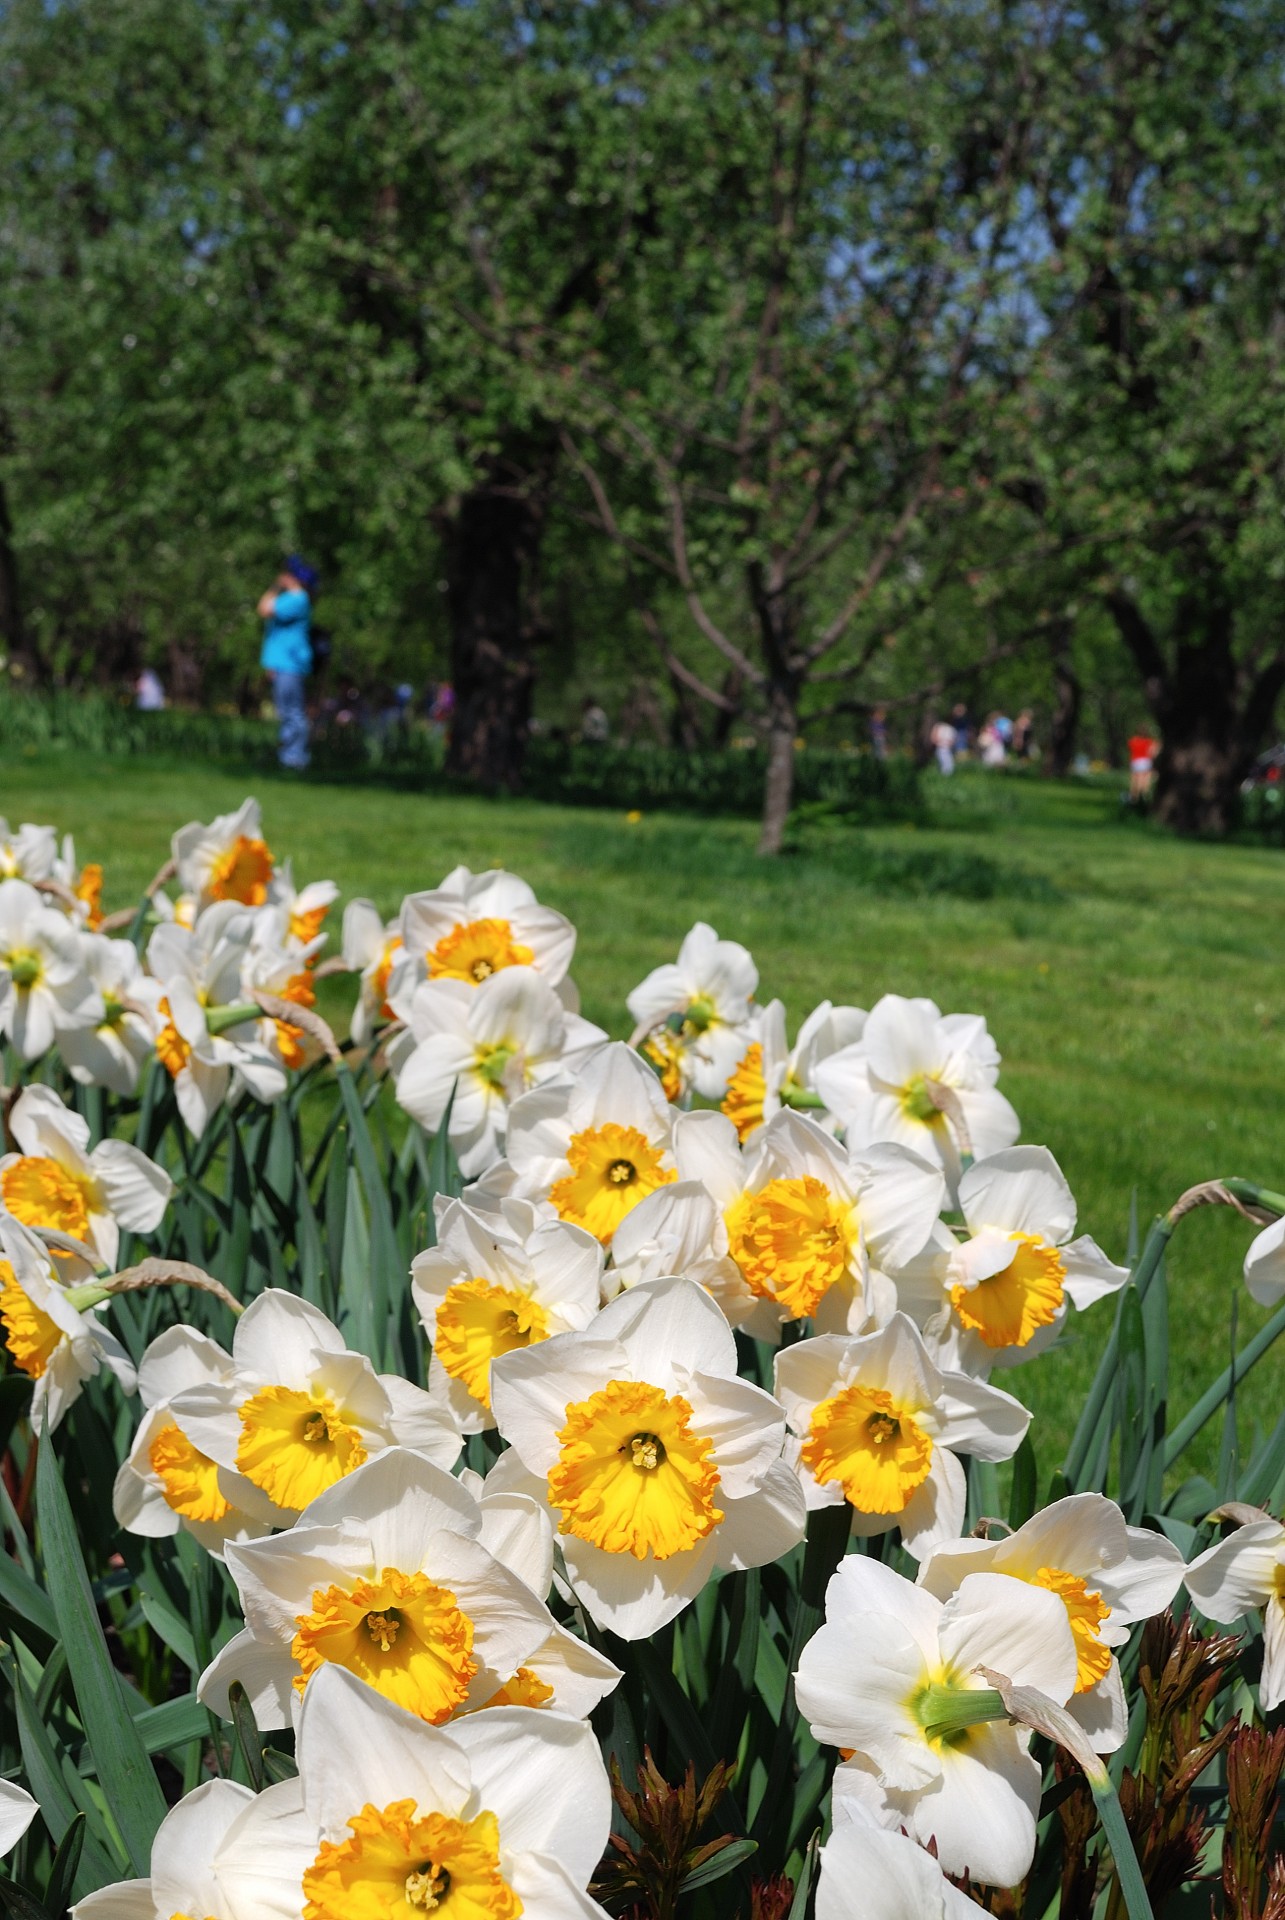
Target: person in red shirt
{"points": [[1142, 755]]}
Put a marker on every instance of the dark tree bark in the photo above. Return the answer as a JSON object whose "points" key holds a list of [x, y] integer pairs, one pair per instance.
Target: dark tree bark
{"points": [[1212, 716], [778, 788], [1068, 696], [13, 637], [492, 546]]}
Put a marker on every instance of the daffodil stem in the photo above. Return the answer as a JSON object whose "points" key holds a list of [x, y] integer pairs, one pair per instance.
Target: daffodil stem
{"points": [[942, 1711], [1210, 1401], [1127, 1871], [827, 1542], [1084, 1440], [219, 1019]]}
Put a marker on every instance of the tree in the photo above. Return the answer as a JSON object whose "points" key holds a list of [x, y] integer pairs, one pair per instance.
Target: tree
{"points": [[1156, 431]]}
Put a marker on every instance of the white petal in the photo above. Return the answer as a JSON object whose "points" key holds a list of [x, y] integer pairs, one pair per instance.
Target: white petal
{"points": [[1238, 1573], [1019, 1190], [17, 1811], [543, 1777], [1265, 1265], [1016, 1629]]}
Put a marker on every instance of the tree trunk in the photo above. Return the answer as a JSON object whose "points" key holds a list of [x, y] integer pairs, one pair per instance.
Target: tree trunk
{"points": [[1210, 726], [778, 787], [13, 636], [1067, 699], [492, 545]]}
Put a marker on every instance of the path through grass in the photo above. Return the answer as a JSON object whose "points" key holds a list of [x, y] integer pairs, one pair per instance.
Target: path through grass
{"points": [[1131, 981]]}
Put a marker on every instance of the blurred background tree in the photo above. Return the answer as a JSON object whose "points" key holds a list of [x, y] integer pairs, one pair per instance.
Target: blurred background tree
{"points": [[743, 363]]}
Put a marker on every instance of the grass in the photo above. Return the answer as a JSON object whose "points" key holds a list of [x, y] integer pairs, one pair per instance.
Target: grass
{"points": [[1131, 980]]}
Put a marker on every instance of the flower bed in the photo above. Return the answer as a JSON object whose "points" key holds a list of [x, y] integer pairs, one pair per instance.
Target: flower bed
{"points": [[418, 1442]]}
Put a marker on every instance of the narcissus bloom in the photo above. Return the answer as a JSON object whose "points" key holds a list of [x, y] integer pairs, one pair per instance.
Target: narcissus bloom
{"points": [[52, 1332], [388, 1577], [44, 987], [500, 1815], [1006, 1286], [1265, 1265], [27, 852], [165, 1483], [370, 948], [209, 1053], [478, 924], [301, 1411], [661, 1465], [478, 1049], [183, 1882], [56, 1183], [110, 1051], [891, 1678], [867, 1870], [588, 1150], [17, 1811], [1106, 1574], [880, 1089], [303, 909], [679, 1229], [227, 860], [880, 1427], [770, 1074], [704, 1000], [1239, 1575], [493, 1283], [815, 1230]]}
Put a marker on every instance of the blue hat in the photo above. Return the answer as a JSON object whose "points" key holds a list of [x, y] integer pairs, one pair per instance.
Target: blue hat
{"points": [[307, 576]]}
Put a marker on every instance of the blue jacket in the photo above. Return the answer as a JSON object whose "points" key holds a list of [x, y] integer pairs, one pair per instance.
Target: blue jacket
{"points": [[287, 638]]}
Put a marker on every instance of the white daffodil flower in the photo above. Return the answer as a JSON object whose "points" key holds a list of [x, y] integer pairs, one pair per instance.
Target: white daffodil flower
{"points": [[817, 1231], [111, 1050], [55, 1182], [867, 1870], [303, 909], [704, 1000], [1265, 1265], [17, 1811], [679, 1229], [164, 1482], [999, 1295], [879, 1089], [770, 1074], [227, 860], [387, 1576], [486, 1045], [276, 963], [27, 852], [478, 924], [1106, 1574], [45, 989], [588, 1149], [498, 1815], [183, 1880], [52, 1332], [211, 1054], [370, 948], [493, 1283], [891, 1677], [662, 1466], [1240, 1575], [880, 1427], [302, 1411]]}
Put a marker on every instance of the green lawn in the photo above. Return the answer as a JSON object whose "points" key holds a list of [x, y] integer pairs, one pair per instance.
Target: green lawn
{"points": [[1130, 980]]}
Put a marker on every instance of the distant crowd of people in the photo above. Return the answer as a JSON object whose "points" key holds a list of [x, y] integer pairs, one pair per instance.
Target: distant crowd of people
{"points": [[294, 648], [996, 739]]}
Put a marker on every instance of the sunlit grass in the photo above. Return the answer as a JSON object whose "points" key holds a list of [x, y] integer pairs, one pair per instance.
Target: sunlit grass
{"points": [[1131, 980]]}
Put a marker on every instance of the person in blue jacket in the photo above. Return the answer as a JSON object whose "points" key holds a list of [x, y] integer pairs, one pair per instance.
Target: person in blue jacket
{"points": [[287, 655]]}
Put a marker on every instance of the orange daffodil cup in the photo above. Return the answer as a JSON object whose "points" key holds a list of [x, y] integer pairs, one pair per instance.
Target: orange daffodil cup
{"points": [[660, 1465]]}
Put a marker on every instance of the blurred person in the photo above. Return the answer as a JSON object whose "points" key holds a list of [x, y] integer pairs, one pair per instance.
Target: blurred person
{"points": [[991, 742], [943, 739], [1024, 735], [149, 692], [1142, 756], [879, 733], [594, 724], [286, 656], [960, 721]]}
